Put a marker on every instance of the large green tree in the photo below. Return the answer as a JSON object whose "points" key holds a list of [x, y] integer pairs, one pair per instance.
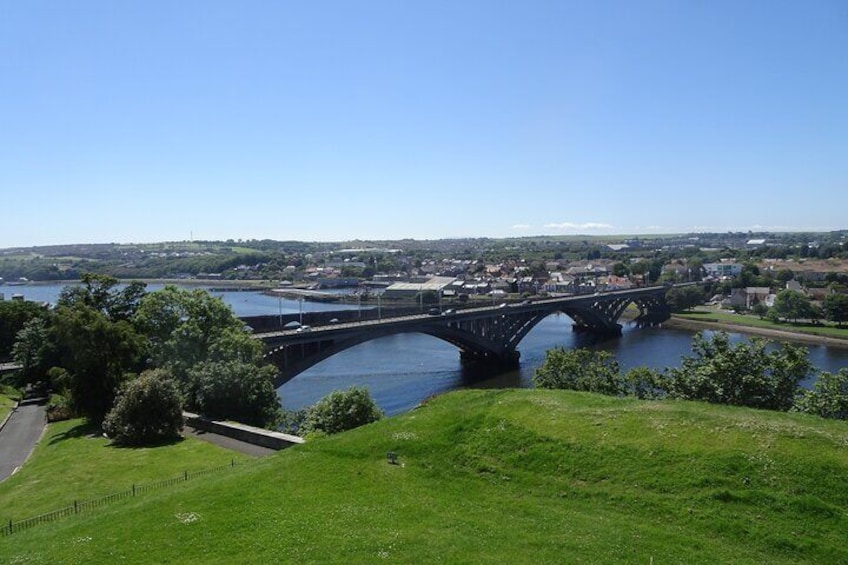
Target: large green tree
{"points": [[14, 315], [104, 293], [684, 298], [187, 327], [34, 351], [96, 353], [235, 390], [211, 354], [792, 305]]}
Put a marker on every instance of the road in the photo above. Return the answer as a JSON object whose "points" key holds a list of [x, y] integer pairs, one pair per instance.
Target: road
{"points": [[19, 436]]}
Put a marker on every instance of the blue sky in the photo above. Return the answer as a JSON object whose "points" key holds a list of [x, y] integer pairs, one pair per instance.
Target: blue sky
{"points": [[159, 120]]}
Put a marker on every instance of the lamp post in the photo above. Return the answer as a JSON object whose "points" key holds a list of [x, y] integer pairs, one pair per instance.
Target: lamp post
{"points": [[300, 303], [280, 305], [379, 311]]}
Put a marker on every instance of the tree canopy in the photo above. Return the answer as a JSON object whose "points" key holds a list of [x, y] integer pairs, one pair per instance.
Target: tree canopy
{"points": [[792, 305], [147, 410], [342, 410]]}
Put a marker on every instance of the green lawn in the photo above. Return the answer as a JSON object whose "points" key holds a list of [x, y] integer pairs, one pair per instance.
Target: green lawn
{"points": [[72, 463], [749, 320], [8, 400], [522, 476]]}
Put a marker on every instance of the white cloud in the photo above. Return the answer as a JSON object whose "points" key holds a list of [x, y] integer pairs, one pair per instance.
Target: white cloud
{"points": [[521, 226], [571, 226]]}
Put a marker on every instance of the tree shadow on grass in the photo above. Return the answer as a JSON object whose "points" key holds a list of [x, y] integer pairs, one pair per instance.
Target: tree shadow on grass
{"points": [[84, 429], [164, 442]]}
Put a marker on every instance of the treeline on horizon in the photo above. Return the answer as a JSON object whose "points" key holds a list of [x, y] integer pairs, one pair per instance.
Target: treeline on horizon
{"points": [[268, 259]]}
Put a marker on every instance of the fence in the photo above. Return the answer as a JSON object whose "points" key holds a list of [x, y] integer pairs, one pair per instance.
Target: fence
{"points": [[83, 505]]}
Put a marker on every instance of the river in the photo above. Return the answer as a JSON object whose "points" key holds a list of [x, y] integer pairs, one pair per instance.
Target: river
{"points": [[402, 370]]}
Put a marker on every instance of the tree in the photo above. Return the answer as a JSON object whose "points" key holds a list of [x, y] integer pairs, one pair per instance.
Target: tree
{"points": [[835, 308], [828, 397], [14, 315], [744, 374], [580, 369], [760, 309], [684, 298], [785, 275], [235, 390], [185, 327], [342, 410], [33, 351], [620, 269], [96, 353], [148, 410], [101, 292], [792, 305]]}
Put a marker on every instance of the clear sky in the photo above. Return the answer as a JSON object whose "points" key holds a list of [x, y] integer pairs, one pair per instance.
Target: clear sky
{"points": [[170, 120]]}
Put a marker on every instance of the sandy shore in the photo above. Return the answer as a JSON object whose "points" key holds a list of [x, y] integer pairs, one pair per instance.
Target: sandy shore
{"points": [[776, 335]]}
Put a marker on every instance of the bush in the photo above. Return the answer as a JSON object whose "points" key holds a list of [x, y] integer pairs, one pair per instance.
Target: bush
{"points": [[580, 369], [645, 383], [147, 410], [342, 410], [828, 397], [744, 374]]}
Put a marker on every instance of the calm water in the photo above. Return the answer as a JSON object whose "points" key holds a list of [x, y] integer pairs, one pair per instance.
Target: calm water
{"points": [[402, 370]]}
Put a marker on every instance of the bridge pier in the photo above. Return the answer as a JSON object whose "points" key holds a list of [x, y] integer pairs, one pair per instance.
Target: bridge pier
{"points": [[507, 359]]}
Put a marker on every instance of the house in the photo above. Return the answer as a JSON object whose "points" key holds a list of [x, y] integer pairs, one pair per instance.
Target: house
{"points": [[794, 285], [613, 282], [719, 270], [749, 296]]}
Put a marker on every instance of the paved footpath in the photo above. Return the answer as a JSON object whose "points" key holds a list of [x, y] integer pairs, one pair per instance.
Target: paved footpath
{"points": [[20, 434], [228, 443]]}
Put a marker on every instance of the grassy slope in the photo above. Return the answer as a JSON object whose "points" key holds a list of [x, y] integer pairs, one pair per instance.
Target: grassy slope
{"points": [[70, 463], [501, 477]]}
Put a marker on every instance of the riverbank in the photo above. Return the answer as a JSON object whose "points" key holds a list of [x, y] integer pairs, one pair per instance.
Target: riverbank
{"points": [[689, 324]]}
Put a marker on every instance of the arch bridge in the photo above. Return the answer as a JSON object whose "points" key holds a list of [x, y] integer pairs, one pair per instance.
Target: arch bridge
{"points": [[487, 334]]}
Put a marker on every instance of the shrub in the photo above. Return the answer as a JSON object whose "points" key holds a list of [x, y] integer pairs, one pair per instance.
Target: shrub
{"points": [[744, 374], [342, 410], [645, 383], [580, 369], [148, 410], [828, 397]]}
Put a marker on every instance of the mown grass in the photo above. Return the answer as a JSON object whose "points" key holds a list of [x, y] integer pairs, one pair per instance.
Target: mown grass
{"points": [[8, 399], [73, 462], [525, 476], [747, 320]]}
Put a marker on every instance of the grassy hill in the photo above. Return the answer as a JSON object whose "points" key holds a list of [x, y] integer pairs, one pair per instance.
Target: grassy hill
{"points": [[524, 476]]}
